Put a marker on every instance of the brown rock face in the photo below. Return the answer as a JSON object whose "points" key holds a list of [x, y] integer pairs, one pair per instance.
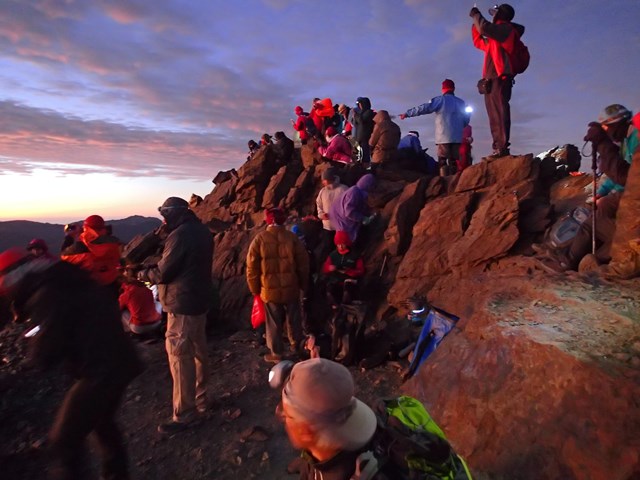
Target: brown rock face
{"points": [[405, 214]]}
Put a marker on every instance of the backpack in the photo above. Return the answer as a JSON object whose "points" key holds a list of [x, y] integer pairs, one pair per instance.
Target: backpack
{"points": [[408, 444], [518, 57], [562, 233]]}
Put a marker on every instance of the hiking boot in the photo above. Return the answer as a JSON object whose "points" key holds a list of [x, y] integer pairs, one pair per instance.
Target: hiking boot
{"points": [[504, 152], [272, 358], [172, 427]]}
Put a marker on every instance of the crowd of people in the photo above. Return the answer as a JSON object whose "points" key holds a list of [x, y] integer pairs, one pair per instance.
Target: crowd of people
{"points": [[322, 416]]}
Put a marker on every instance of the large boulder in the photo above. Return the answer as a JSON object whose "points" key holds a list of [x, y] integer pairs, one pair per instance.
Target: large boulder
{"points": [[405, 214]]}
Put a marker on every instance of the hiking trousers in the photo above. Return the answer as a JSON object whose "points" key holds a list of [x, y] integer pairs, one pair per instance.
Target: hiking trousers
{"points": [[186, 344], [89, 406], [499, 112], [277, 316]]}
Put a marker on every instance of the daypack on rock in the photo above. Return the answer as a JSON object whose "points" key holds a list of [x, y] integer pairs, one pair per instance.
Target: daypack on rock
{"points": [[408, 444], [437, 324], [566, 227], [347, 331], [518, 54]]}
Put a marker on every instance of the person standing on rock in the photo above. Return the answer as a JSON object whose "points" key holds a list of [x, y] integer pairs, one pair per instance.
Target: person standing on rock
{"points": [[278, 271], [78, 324], [183, 276], [330, 191], [384, 139], [497, 72], [451, 119], [363, 126]]}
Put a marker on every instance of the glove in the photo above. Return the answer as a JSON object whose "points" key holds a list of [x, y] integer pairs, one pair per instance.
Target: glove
{"points": [[595, 134], [474, 11]]}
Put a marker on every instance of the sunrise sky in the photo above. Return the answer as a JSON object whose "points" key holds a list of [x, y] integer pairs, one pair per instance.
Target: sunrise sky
{"points": [[110, 106]]}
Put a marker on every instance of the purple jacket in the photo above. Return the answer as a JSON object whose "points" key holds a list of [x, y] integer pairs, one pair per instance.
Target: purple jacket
{"points": [[350, 208]]}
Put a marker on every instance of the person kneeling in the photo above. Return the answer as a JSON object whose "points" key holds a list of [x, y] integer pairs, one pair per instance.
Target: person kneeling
{"points": [[139, 313]]}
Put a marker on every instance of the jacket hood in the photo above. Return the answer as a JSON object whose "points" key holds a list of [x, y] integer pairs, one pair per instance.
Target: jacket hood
{"points": [[519, 28], [381, 116], [365, 103], [367, 182]]}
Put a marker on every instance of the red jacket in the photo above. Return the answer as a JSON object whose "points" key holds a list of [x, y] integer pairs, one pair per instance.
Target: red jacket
{"points": [[300, 126], [495, 39], [138, 299], [97, 253]]}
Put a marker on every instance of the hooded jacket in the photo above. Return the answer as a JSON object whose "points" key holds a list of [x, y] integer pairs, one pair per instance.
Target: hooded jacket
{"points": [[183, 274], [339, 149], [97, 253], [363, 121], [384, 138], [277, 266], [495, 39], [351, 208], [450, 117]]}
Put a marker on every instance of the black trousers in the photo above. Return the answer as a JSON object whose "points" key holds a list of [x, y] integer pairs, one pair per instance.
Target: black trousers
{"points": [[89, 406], [499, 111]]}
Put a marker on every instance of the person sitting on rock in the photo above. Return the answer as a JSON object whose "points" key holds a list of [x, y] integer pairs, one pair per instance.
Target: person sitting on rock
{"points": [[338, 148], [324, 419], [138, 307], [410, 149], [350, 210], [384, 139], [39, 248], [616, 140], [283, 148], [342, 270], [265, 139]]}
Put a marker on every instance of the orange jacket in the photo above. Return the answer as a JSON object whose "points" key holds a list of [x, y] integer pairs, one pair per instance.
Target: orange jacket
{"points": [[96, 252]]}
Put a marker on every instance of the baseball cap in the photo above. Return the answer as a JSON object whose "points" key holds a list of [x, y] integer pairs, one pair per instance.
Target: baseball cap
{"points": [[321, 392]]}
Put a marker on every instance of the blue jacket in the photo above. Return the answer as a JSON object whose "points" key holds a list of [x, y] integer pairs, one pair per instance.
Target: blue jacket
{"points": [[411, 142], [450, 117]]}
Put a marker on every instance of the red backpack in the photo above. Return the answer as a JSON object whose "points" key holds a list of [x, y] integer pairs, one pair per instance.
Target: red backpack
{"points": [[518, 53]]}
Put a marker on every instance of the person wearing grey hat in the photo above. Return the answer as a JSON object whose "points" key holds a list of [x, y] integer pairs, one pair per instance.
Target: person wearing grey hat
{"points": [[183, 276], [324, 419], [331, 190]]}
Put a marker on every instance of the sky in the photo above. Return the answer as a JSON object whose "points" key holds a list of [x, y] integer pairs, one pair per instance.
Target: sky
{"points": [[110, 106]]}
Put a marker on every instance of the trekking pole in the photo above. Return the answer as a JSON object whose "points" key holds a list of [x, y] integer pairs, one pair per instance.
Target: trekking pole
{"points": [[384, 263], [594, 207]]}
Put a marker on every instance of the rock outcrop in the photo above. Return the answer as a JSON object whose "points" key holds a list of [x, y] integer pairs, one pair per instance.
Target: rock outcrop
{"points": [[541, 377]]}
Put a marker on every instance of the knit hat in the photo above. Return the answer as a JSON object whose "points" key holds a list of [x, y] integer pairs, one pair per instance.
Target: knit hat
{"points": [[505, 11], [342, 238], [38, 243], [448, 85], [275, 216], [331, 132], [95, 222], [329, 174]]}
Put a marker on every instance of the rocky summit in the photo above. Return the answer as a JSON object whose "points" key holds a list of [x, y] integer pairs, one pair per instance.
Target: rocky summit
{"points": [[541, 376]]}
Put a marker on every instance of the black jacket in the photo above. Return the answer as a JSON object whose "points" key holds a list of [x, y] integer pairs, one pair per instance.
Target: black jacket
{"points": [[364, 122], [183, 275], [79, 324]]}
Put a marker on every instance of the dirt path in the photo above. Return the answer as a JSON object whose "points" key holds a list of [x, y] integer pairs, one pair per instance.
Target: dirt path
{"points": [[240, 437]]}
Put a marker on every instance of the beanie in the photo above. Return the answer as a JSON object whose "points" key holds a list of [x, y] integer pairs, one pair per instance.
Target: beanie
{"points": [[329, 174], [342, 238], [95, 222], [275, 216], [448, 85], [175, 202], [503, 11], [331, 132]]}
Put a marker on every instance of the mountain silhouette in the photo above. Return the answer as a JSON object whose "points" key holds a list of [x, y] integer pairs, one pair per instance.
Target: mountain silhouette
{"points": [[18, 233]]}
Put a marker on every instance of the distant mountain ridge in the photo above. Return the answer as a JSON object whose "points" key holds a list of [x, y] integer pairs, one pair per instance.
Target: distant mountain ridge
{"points": [[18, 233]]}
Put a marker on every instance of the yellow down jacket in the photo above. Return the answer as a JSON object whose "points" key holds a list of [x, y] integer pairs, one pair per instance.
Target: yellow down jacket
{"points": [[277, 266]]}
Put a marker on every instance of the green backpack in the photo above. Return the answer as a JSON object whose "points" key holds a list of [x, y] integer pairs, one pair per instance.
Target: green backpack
{"points": [[408, 444]]}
